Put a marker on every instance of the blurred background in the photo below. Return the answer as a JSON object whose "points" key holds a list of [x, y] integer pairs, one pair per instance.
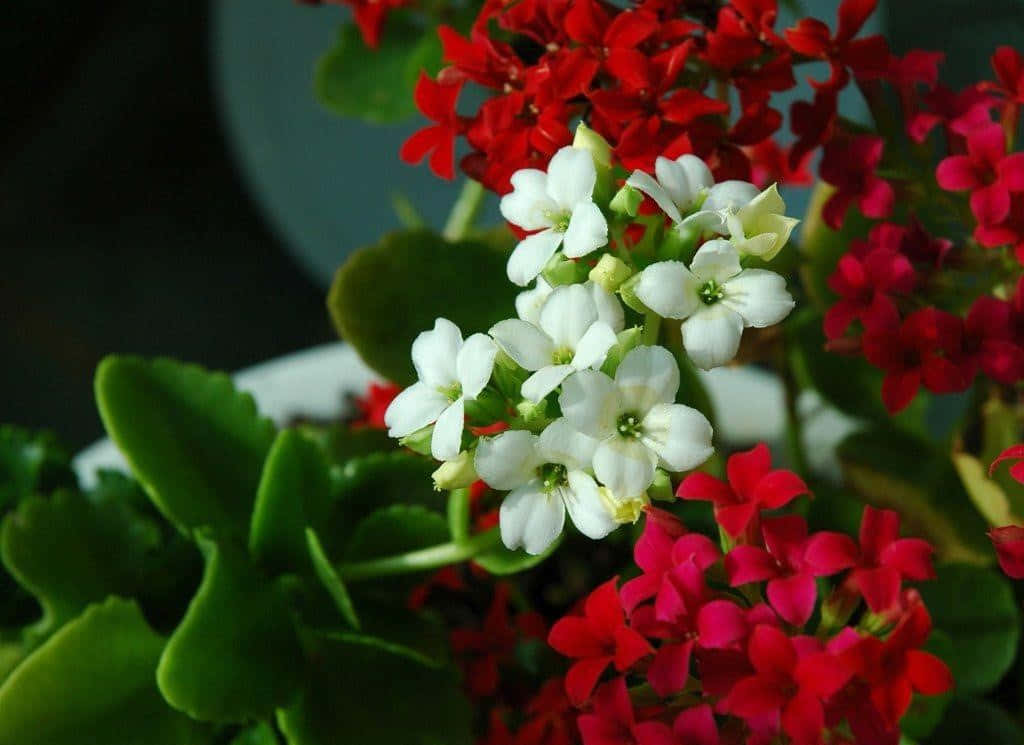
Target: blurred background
{"points": [[168, 185]]}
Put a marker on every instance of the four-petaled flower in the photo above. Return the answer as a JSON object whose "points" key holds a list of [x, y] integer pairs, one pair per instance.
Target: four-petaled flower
{"points": [[987, 171], [680, 186]]}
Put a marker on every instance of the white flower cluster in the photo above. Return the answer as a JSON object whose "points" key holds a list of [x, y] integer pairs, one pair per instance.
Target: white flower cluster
{"points": [[597, 413]]}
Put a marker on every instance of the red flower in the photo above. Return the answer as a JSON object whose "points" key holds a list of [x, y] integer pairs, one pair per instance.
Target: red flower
{"points": [[693, 726], [924, 349], [1008, 542], [770, 165], [958, 112], [596, 639], [812, 123], [436, 101], [881, 562], [989, 340], [987, 171], [849, 164], [1008, 64], [791, 677], [1009, 232], [613, 721], [752, 486], [864, 284], [867, 57], [373, 404], [550, 717], [1014, 452]]}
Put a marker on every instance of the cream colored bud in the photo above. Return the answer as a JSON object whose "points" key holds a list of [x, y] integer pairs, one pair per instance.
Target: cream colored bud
{"points": [[457, 473], [610, 272], [626, 201], [661, 490], [588, 139]]}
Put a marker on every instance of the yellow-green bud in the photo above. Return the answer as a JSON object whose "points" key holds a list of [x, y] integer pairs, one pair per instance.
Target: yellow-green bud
{"points": [[457, 473], [625, 341], [627, 291], [419, 441], [533, 416], [626, 201], [661, 489], [588, 139], [610, 272], [562, 271], [623, 509]]}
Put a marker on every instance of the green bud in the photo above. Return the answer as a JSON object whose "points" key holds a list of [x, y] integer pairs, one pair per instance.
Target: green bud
{"points": [[627, 291], [661, 489], [533, 416], [679, 244], [457, 473], [486, 408], [625, 341], [562, 271], [610, 272], [588, 139], [419, 441], [626, 201]]}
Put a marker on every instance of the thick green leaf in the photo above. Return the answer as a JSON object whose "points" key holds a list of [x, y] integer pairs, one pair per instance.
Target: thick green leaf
{"points": [[900, 471], [31, 463], [329, 578], [294, 492], [377, 85], [92, 683], [235, 655], [259, 734], [194, 443], [343, 443], [976, 608], [970, 721], [384, 295], [396, 529], [423, 705]]}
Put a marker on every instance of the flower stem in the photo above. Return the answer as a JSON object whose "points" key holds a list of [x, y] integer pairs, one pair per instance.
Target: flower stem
{"points": [[652, 327], [464, 211], [416, 561]]}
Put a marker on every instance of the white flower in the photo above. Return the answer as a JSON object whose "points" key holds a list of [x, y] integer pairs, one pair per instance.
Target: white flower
{"points": [[450, 373], [547, 475], [529, 302], [717, 299], [576, 328], [723, 199], [636, 421], [760, 227], [558, 204], [680, 185]]}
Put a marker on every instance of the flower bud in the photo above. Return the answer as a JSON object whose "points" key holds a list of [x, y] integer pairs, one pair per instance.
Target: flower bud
{"points": [[457, 473], [419, 441], [626, 201], [627, 291], [661, 489], [623, 509], [534, 416], [679, 243], [626, 341], [562, 271], [588, 139], [610, 272]]}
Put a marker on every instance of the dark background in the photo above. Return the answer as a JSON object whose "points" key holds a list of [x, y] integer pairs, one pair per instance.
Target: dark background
{"points": [[124, 223]]}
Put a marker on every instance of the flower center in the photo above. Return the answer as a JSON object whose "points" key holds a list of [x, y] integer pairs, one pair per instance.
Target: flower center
{"points": [[711, 292], [451, 392], [553, 475], [562, 356], [628, 425], [559, 221]]}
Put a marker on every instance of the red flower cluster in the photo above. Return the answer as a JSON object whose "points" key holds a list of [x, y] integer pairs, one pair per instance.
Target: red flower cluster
{"points": [[640, 77], [723, 640]]}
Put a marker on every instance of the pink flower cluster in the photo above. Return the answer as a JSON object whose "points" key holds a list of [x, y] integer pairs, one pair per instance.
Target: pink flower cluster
{"points": [[713, 648]]}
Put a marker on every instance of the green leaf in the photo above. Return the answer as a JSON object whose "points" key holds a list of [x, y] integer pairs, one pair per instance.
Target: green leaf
{"points": [[376, 85], [194, 443], [92, 683], [986, 494], [329, 578], [384, 295], [31, 463], [970, 720], [421, 633], [976, 608], [294, 492], [901, 471], [342, 442], [396, 529], [423, 704], [502, 561], [235, 656], [259, 734]]}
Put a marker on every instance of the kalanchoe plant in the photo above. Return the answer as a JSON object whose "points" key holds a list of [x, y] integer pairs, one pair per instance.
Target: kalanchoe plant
{"points": [[535, 528]]}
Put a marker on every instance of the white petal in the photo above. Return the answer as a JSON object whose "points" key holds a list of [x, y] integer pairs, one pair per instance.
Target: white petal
{"points": [[530, 256], [712, 336], [759, 296], [515, 512], [669, 289], [593, 347], [645, 183], [590, 401], [413, 409], [645, 377], [717, 259], [434, 353], [676, 178], [625, 465], [545, 380], [524, 342], [609, 309], [705, 221], [587, 232], [586, 510], [560, 442], [571, 177], [767, 202], [446, 441], [697, 172], [567, 314], [730, 195], [545, 524], [508, 460], [475, 364], [681, 436], [529, 302], [528, 205]]}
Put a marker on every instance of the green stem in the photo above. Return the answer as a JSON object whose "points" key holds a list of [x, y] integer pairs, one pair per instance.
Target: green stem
{"points": [[794, 423], [464, 211], [426, 558], [652, 327]]}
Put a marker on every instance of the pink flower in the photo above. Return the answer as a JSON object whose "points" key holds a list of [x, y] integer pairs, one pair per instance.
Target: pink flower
{"points": [[1008, 542], [881, 562], [613, 721], [987, 171], [752, 486], [849, 164], [596, 639], [989, 340], [865, 285], [1008, 65]]}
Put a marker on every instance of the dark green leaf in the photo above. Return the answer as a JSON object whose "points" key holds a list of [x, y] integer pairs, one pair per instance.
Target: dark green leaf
{"points": [[259, 734], [396, 529], [377, 85], [970, 721], [330, 579], [235, 655], [423, 704], [389, 619], [976, 608], [92, 683], [386, 294], [194, 443], [294, 492], [343, 443], [31, 463]]}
